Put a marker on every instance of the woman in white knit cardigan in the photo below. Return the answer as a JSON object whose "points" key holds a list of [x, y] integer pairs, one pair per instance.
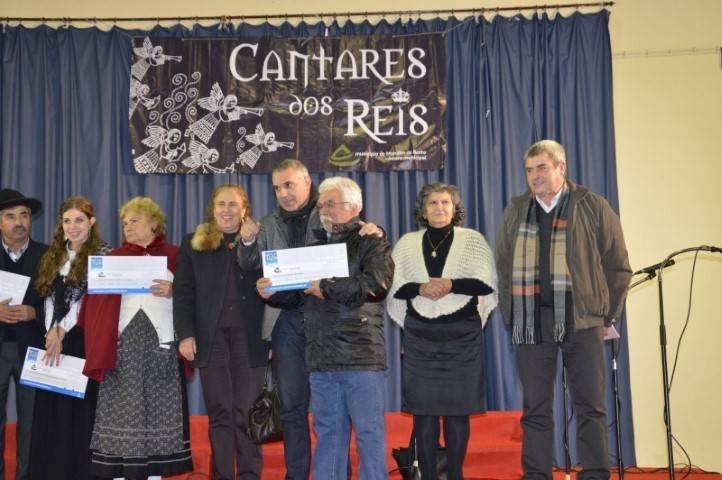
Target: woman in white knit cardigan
{"points": [[444, 288]]}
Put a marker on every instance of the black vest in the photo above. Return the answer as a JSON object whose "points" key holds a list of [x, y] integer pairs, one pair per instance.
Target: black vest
{"points": [[25, 333]]}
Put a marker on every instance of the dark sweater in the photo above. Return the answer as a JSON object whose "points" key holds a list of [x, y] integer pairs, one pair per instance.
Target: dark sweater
{"points": [[545, 221]]}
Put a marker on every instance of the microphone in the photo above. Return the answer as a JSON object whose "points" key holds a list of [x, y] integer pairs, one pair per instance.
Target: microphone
{"points": [[655, 267]]}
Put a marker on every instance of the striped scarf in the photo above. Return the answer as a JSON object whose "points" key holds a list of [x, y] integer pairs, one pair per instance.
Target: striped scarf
{"points": [[525, 283]]}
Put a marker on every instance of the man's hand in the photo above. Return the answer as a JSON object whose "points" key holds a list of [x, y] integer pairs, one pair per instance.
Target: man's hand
{"points": [[187, 348], [5, 314], [162, 288], [15, 313], [435, 288], [261, 285], [370, 229], [315, 290], [249, 231], [53, 346]]}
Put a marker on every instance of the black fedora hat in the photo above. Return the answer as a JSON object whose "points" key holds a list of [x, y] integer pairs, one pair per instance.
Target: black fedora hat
{"points": [[12, 198]]}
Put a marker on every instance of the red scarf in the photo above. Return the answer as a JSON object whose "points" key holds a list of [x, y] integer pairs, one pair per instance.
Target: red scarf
{"points": [[99, 313]]}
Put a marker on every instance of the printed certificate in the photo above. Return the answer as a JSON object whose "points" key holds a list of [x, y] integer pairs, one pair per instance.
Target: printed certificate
{"points": [[111, 274], [66, 378], [296, 268], [13, 286]]}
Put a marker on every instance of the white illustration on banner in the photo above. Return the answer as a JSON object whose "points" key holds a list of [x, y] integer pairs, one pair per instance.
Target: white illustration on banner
{"points": [[262, 142], [181, 98], [400, 96], [148, 162], [201, 157], [150, 56], [163, 145], [222, 108], [139, 94]]}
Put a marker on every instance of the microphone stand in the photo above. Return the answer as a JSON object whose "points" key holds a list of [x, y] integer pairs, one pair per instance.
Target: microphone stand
{"points": [[663, 345], [650, 274], [617, 407], [663, 348]]}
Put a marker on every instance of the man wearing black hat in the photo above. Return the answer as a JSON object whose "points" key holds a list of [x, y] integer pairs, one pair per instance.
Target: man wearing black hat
{"points": [[20, 325]]}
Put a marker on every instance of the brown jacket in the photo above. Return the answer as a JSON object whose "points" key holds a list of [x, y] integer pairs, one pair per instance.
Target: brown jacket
{"points": [[596, 257]]}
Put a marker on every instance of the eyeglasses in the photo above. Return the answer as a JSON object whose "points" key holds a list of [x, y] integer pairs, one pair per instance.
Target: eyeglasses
{"points": [[330, 204]]}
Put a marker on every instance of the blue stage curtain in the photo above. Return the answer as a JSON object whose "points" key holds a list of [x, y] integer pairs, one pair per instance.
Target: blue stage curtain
{"points": [[511, 81]]}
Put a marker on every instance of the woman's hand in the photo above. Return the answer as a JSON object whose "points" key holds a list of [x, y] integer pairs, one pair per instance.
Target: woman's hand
{"points": [[53, 346], [435, 288], [187, 348], [249, 230], [162, 288]]}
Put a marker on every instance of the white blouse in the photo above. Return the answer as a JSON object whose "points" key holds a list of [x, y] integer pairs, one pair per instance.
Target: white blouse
{"points": [[158, 309]]}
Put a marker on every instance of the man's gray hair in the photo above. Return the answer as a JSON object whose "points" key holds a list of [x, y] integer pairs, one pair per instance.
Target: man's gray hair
{"points": [[293, 164], [554, 149], [350, 191]]}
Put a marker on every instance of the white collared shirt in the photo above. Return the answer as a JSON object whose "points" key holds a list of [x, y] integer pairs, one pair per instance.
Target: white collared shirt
{"points": [[552, 204], [15, 256]]}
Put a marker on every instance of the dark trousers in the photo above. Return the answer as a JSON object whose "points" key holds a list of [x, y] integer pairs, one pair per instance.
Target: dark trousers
{"points": [[10, 367], [230, 386], [288, 343], [456, 438], [583, 357]]}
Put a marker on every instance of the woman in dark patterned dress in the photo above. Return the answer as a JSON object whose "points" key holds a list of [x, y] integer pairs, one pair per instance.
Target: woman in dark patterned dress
{"points": [[141, 421]]}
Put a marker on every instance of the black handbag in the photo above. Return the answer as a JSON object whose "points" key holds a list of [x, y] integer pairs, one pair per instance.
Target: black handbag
{"points": [[407, 460], [264, 417]]}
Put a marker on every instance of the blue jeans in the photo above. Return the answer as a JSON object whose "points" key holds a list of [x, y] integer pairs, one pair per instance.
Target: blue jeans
{"points": [[339, 399], [288, 343]]}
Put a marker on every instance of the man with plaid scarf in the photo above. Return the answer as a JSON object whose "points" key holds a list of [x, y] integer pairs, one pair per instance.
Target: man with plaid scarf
{"points": [[563, 279]]}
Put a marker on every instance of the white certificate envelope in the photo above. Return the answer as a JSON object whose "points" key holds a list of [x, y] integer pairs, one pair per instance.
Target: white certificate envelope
{"points": [[296, 268], [13, 286], [66, 378], [612, 334], [110, 274]]}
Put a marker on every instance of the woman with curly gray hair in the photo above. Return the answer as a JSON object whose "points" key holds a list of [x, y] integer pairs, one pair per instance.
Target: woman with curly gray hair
{"points": [[443, 291]]}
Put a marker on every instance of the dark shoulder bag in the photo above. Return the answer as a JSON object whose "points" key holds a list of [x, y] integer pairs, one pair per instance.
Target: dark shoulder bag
{"points": [[264, 417]]}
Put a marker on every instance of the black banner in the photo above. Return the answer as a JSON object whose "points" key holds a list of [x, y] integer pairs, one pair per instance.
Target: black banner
{"points": [[218, 105]]}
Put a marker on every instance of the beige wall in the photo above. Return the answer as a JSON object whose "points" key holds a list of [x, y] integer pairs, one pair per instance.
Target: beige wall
{"points": [[668, 121], [668, 114]]}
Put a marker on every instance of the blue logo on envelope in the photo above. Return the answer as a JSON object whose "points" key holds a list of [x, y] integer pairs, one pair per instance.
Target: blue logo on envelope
{"points": [[96, 263], [271, 257]]}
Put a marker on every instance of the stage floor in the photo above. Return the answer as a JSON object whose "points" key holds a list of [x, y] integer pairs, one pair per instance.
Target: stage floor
{"points": [[494, 451]]}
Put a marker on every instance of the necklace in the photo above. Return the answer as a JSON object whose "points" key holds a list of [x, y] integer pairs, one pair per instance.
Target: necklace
{"points": [[436, 247]]}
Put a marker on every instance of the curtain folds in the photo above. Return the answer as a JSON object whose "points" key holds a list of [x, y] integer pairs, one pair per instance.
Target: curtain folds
{"points": [[510, 81]]}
